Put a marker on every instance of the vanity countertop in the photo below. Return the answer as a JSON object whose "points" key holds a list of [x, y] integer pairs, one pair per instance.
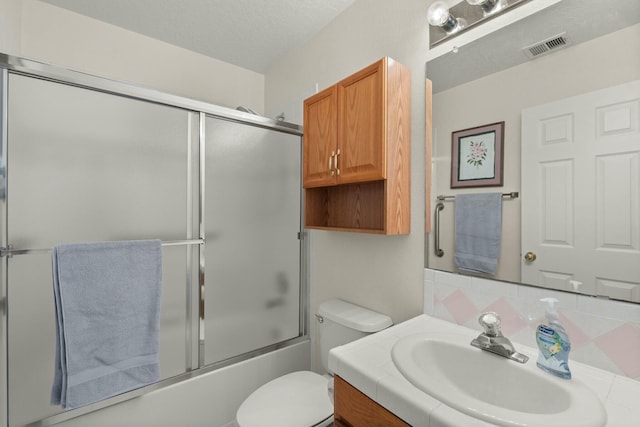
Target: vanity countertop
{"points": [[366, 364]]}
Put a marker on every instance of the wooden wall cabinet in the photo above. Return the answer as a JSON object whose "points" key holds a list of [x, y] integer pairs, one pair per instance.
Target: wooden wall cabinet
{"points": [[357, 152], [352, 408]]}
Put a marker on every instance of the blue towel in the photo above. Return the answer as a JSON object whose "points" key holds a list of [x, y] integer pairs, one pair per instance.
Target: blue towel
{"points": [[107, 302], [478, 228]]}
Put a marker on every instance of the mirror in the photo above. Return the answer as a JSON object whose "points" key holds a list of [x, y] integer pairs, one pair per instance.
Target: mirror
{"points": [[529, 75]]}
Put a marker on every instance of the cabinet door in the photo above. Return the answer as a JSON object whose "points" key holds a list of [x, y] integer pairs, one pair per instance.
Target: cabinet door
{"points": [[320, 138], [354, 408], [361, 126]]}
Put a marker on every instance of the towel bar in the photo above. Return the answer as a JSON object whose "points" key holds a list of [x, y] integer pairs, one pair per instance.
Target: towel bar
{"points": [[439, 251], [440, 206], [9, 251], [512, 195]]}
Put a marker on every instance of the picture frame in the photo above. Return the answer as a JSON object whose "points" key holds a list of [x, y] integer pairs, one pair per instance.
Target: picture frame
{"points": [[476, 156]]}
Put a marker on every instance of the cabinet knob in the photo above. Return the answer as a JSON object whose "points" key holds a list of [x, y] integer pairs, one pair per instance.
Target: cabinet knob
{"points": [[337, 168]]}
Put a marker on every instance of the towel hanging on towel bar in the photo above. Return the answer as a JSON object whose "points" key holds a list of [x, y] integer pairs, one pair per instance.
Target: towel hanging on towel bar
{"points": [[107, 306], [478, 229], [439, 207]]}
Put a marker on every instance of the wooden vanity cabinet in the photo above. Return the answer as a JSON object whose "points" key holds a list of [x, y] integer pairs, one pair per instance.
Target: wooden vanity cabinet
{"points": [[352, 408], [356, 154]]}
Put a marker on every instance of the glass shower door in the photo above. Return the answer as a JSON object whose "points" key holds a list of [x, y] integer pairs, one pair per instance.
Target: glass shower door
{"points": [[252, 225], [87, 166]]}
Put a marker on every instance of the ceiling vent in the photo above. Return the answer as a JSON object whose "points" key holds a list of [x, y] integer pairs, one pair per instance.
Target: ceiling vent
{"points": [[546, 46]]}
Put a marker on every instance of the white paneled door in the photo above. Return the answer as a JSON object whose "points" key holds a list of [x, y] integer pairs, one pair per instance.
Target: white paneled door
{"points": [[581, 193]]}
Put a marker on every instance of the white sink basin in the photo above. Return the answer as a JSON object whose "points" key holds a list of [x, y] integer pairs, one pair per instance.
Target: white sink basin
{"points": [[493, 388]]}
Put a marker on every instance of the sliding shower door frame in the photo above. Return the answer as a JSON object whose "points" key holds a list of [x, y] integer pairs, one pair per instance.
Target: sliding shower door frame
{"points": [[195, 260], [4, 350]]}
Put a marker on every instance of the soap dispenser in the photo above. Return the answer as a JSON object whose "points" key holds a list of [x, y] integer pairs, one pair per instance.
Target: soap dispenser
{"points": [[553, 343]]}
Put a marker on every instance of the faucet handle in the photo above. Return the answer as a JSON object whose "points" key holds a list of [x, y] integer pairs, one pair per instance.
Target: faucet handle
{"points": [[491, 322]]}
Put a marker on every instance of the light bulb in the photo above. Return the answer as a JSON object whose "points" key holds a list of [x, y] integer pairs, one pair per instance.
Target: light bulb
{"points": [[438, 13]]}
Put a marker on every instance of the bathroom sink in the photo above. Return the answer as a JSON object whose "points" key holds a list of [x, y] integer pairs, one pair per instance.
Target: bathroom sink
{"points": [[493, 388]]}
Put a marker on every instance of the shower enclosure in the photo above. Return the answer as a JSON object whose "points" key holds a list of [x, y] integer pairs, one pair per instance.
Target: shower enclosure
{"points": [[87, 159]]}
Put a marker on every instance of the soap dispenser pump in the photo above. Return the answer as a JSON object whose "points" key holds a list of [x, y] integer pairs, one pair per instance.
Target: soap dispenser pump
{"points": [[553, 343]]}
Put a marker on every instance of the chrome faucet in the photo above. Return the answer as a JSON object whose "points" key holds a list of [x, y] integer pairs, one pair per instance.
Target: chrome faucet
{"points": [[493, 341]]}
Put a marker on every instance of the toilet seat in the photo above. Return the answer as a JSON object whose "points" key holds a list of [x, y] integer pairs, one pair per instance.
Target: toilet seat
{"points": [[298, 399]]}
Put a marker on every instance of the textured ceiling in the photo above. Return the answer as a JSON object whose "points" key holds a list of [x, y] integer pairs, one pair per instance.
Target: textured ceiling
{"points": [[249, 33]]}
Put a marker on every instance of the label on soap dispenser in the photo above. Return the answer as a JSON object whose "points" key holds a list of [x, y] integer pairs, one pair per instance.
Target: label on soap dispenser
{"points": [[553, 356], [549, 341]]}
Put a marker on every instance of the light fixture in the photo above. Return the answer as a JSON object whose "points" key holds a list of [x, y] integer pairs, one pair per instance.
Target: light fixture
{"points": [[447, 22], [438, 15]]}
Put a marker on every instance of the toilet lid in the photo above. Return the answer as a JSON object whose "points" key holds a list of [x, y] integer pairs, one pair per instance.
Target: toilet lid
{"points": [[294, 400]]}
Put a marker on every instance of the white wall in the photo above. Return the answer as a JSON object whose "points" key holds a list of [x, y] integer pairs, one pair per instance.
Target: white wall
{"points": [[10, 27], [383, 273], [57, 36], [571, 71]]}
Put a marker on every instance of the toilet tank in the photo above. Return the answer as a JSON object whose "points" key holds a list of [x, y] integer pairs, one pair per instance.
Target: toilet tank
{"points": [[342, 322]]}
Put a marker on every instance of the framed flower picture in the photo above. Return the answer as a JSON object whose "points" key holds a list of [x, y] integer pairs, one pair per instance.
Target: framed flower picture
{"points": [[476, 156]]}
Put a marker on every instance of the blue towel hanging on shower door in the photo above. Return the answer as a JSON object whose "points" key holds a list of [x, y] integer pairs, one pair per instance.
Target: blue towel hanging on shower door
{"points": [[107, 302]]}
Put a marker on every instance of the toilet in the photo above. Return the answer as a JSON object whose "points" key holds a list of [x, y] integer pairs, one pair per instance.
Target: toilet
{"points": [[302, 399]]}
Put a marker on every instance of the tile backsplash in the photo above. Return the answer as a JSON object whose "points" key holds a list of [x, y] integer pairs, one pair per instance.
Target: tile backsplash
{"points": [[603, 333]]}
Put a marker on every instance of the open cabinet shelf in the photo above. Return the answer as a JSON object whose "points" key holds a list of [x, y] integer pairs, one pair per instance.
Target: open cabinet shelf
{"points": [[348, 207]]}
